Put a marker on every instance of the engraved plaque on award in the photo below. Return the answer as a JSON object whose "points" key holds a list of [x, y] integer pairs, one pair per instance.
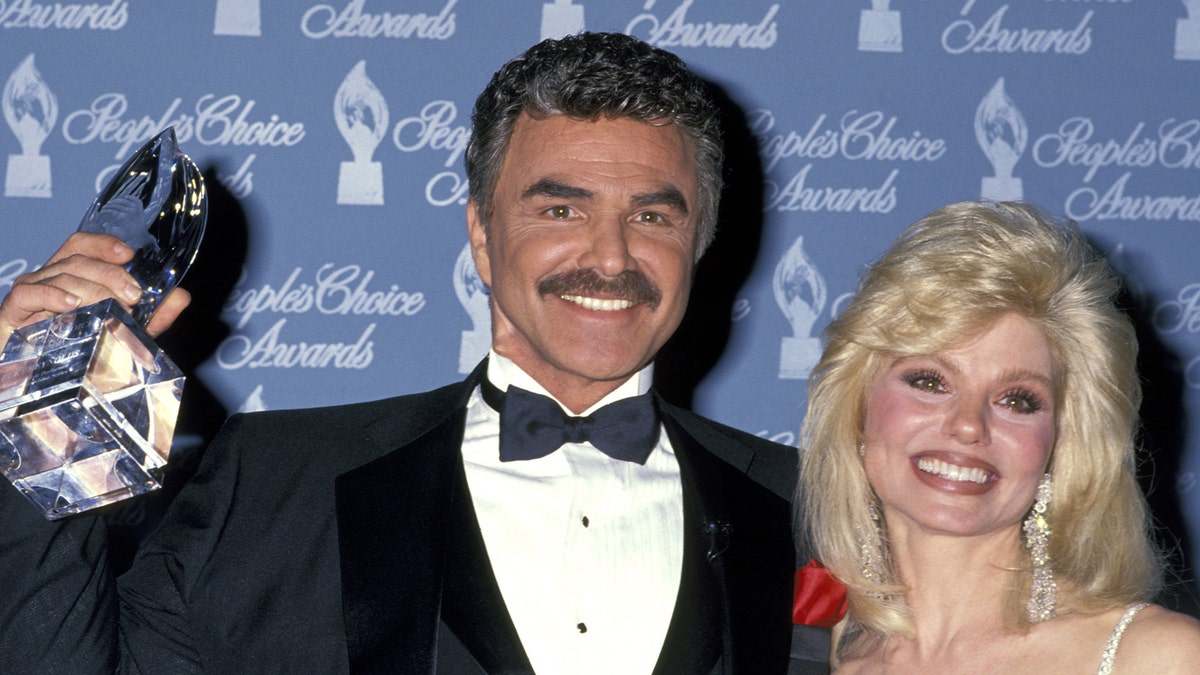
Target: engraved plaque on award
{"points": [[88, 402]]}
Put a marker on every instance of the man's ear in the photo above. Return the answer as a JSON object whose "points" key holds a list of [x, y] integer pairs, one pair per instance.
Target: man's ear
{"points": [[478, 238]]}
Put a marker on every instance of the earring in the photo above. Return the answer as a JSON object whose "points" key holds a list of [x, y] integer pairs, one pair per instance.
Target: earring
{"points": [[862, 449], [871, 547], [1037, 540]]}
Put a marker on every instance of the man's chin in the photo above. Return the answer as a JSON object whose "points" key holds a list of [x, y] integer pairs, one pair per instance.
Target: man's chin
{"points": [[585, 368]]}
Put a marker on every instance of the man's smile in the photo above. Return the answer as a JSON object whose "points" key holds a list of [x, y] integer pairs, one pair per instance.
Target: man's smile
{"points": [[599, 304]]}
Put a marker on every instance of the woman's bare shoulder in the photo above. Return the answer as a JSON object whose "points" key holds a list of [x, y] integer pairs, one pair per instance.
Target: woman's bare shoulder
{"points": [[1159, 641]]}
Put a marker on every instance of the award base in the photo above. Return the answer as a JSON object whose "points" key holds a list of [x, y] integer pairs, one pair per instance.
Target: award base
{"points": [[1001, 189], [88, 405], [798, 356], [360, 183], [27, 176], [238, 18], [560, 19], [1187, 40], [879, 31]]}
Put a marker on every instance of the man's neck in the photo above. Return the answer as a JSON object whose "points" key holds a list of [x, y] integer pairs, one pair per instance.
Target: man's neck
{"points": [[575, 398]]}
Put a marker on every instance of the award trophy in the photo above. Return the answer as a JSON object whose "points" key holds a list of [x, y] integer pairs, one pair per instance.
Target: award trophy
{"points": [[87, 401], [1002, 132], [473, 295], [800, 294]]}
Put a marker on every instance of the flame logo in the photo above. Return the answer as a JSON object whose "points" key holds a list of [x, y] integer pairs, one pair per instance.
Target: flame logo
{"points": [[361, 113], [473, 295], [468, 286], [1000, 129], [799, 289], [800, 294], [254, 402], [30, 108], [1002, 133]]}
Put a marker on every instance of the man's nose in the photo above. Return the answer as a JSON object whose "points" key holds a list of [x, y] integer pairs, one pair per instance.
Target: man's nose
{"points": [[608, 247]]}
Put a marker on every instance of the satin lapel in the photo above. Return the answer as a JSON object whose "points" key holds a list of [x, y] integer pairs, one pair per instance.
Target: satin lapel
{"points": [[392, 527], [699, 631], [741, 532], [472, 607]]}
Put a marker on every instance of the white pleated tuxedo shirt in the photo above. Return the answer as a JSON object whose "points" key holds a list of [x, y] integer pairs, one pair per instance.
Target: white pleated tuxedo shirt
{"points": [[587, 550]]}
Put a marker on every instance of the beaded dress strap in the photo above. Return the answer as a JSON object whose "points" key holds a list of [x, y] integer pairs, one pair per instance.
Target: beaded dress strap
{"points": [[1114, 641]]}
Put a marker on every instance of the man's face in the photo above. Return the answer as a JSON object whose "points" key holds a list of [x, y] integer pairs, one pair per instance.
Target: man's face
{"points": [[591, 249]]}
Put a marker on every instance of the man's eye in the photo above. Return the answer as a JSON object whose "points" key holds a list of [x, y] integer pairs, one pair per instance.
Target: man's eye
{"points": [[651, 218], [560, 212]]}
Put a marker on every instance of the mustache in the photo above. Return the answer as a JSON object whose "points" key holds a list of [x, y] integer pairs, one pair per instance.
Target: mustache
{"points": [[628, 285]]}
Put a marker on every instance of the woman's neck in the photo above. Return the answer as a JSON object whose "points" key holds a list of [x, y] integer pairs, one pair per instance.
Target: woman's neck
{"points": [[957, 586]]}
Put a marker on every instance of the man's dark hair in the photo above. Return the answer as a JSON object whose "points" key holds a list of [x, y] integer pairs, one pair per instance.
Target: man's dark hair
{"points": [[590, 76]]}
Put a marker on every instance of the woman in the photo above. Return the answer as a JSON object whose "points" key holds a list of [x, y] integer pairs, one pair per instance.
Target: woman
{"points": [[969, 472]]}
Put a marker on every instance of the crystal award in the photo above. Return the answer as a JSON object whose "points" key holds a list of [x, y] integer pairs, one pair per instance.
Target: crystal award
{"points": [[88, 402]]}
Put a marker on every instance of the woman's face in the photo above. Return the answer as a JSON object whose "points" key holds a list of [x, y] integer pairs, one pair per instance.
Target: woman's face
{"points": [[957, 441]]}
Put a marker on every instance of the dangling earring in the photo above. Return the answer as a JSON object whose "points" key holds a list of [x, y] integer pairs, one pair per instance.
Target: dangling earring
{"points": [[871, 546], [870, 538], [1037, 540]]}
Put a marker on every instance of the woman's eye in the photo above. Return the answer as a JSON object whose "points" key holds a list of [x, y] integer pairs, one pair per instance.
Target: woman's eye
{"points": [[925, 381], [927, 384], [1021, 402]]}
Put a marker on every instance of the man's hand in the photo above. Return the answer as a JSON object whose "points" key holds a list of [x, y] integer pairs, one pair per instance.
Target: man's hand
{"points": [[86, 269]]}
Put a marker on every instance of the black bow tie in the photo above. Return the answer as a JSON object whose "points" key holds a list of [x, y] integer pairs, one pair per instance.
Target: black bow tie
{"points": [[533, 426]]}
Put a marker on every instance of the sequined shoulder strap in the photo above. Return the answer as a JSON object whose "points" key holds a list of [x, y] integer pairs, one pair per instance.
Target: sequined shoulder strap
{"points": [[1114, 640]]}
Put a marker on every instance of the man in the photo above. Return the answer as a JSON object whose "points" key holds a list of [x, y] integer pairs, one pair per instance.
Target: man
{"points": [[421, 533]]}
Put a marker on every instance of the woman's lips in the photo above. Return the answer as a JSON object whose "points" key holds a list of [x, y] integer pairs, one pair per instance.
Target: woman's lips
{"points": [[954, 473]]}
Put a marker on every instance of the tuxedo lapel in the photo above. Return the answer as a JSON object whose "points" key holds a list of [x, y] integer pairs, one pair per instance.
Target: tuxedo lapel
{"points": [[392, 531], [738, 559], [473, 609], [697, 632], [418, 592]]}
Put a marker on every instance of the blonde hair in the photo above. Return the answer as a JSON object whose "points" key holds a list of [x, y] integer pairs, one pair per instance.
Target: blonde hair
{"points": [[947, 277]]}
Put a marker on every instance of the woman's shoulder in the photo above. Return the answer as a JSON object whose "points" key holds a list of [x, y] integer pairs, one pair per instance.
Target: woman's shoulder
{"points": [[1158, 640]]}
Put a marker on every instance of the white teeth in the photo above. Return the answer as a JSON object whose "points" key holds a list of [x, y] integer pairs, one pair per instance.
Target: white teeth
{"points": [[598, 304], [952, 472]]}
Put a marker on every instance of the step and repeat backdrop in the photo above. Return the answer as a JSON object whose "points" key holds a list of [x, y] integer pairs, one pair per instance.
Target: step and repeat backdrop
{"points": [[332, 136]]}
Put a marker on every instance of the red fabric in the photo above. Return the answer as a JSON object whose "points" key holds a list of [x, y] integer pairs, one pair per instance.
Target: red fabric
{"points": [[820, 599]]}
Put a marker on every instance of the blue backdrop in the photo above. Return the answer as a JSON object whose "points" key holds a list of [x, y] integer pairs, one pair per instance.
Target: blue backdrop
{"points": [[332, 135]]}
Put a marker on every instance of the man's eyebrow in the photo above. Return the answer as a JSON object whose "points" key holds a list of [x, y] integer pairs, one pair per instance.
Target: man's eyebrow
{"points": [[548, 187], [669, 196]]}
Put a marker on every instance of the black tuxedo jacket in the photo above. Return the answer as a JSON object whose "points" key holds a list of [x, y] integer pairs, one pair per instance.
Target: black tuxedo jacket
{"points": [[343, 539]]}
